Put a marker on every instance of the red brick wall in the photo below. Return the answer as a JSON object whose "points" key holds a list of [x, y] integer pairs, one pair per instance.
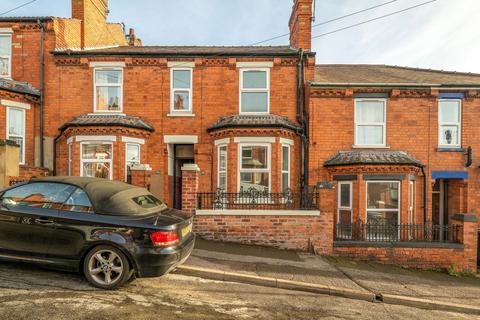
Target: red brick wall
{"points": [[301, 24]]}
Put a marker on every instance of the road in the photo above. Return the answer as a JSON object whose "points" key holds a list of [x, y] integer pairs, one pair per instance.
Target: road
{"points": [[27, 292]]}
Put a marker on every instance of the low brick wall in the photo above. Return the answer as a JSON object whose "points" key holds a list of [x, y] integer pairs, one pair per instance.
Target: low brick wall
{"points": [[279, 231]]}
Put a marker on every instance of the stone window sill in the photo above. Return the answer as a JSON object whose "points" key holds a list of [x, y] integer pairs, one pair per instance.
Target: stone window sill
{"points": [[186, 115], [370, 147], [446, 149]]}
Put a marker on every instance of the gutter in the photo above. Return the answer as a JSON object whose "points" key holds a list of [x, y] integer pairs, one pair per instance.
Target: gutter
{"points": [[398, 85]]}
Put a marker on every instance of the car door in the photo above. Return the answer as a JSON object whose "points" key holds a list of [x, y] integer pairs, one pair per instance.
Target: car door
{"points": [[27, 218]]}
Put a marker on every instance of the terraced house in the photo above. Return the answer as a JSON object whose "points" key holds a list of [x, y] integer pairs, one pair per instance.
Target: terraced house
{"points": [[265, 147]]}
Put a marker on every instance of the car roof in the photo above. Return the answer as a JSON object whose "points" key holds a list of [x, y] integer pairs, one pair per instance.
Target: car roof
{"points": [[107, 196]]}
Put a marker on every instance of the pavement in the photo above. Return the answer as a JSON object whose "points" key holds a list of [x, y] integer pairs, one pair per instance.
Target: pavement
{"points": [[426, 289], [28, 292]]}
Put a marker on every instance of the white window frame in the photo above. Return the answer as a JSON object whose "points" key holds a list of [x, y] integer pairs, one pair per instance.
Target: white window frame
{"points": [[172, 92], [288, 169], [450, 124], [8, 135], [120, 101], [226, 166], [9, 57], [267, 170], [399, 210], [95, 160], [411, 202], [383, 124], [70, 146], [139, 146], [267, 89], [340, 207]]}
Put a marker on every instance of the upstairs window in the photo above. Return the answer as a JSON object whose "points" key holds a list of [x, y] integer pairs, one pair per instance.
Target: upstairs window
{"points": [[108, 89], [16, 129], [370, 123], [254, 91], [449, 118], [181, 90], [5, 55]]}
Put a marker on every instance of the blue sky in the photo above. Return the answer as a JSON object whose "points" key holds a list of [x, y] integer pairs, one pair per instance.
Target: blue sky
{"points": [[442, 35]]}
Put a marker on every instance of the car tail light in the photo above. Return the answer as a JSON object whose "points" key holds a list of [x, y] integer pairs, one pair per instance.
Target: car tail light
{"points": [[164, 238]]}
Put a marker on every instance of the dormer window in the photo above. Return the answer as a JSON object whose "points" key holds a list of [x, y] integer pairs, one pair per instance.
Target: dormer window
{"points": [[108, 89], [254, 91], [5, 55]]}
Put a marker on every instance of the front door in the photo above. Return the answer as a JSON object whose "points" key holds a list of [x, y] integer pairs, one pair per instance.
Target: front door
{"points": [[439, 208], [183, 154]]}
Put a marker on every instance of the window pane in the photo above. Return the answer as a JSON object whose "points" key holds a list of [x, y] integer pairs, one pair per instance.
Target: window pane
{"points": [[254, 79], [96, 151], [223, 159], [97, 170], [181, 79], [285, 158], [34, 193], [147, 201], [449, 111], [78, 201], [181, 100], [449, 135], [133, 152], [108, 77], [257, 181], [285, 181], [108, 98], [254, 157], [370, 111], [15, 122], [222, 181], [254, 101], [4, 66], [345, 196], [345, 217], [382, 217], [382, 195], [370, 135]]}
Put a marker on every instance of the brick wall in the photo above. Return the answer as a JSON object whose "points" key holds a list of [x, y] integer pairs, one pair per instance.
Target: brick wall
{"points": [[301, 24]]}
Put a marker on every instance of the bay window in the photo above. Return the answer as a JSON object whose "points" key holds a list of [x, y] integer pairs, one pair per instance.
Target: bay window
{"points": [[181, 90], [344, 212], [16, 129], [5, 55], [108, 90], [383, 209], [449, 118], [254, 91], [96, 160], [370, 123], [132, 158], [222, 167], [254, 167]]}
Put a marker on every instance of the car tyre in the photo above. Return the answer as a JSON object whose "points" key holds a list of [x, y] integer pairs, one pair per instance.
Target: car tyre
{"points": [[106, 267]]}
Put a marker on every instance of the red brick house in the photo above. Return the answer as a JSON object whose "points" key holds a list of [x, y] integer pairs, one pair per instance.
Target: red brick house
{"points": [[373, 162]]}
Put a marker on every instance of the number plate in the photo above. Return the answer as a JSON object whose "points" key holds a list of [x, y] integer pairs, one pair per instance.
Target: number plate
{"points": [[186, 230]]}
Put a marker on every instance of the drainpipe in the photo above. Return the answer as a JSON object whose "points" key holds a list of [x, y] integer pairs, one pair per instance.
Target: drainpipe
{"points": [[302, 118], [42, 78]]}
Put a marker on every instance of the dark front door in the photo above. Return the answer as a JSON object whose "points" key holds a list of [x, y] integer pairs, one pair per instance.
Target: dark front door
{"points": [[184, 154]]}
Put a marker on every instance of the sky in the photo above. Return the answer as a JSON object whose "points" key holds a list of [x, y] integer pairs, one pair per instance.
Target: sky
{"points": [[442, 35]]}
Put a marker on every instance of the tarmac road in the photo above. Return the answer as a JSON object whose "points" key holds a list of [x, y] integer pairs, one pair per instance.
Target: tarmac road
{"points": [[27, 292]]}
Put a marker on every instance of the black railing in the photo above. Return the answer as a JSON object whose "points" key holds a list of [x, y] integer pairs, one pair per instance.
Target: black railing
{"points": [[259, 200], [384, 232]]}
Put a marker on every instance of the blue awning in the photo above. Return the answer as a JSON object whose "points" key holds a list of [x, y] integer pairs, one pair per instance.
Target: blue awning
{"points": [[449, 175]]}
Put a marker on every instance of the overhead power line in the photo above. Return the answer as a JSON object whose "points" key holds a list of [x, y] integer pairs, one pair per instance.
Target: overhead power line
{"points": [[330, 21], [373, 19], [20, 6]]}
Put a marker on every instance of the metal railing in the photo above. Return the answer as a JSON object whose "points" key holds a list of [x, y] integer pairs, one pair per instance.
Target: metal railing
{"points": [[253, 199], [384, 232]]}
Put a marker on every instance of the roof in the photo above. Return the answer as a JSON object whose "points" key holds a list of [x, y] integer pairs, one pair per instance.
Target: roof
{"points": [[349, 74], [26, 19], [18, 87], [254, 121], [112, 120], [107, 196], [188, 51], [369, 157]]}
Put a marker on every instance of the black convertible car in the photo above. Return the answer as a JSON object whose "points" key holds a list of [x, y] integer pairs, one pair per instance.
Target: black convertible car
{"points": [[109, 230]]}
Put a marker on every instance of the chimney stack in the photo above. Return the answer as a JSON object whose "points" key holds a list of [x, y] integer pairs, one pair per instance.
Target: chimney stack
{"points": [[301, 24]]}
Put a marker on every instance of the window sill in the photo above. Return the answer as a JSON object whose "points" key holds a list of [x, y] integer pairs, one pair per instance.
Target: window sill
{"points": [[370, 147], [450, 149], [186, 115], [103, 113]]}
